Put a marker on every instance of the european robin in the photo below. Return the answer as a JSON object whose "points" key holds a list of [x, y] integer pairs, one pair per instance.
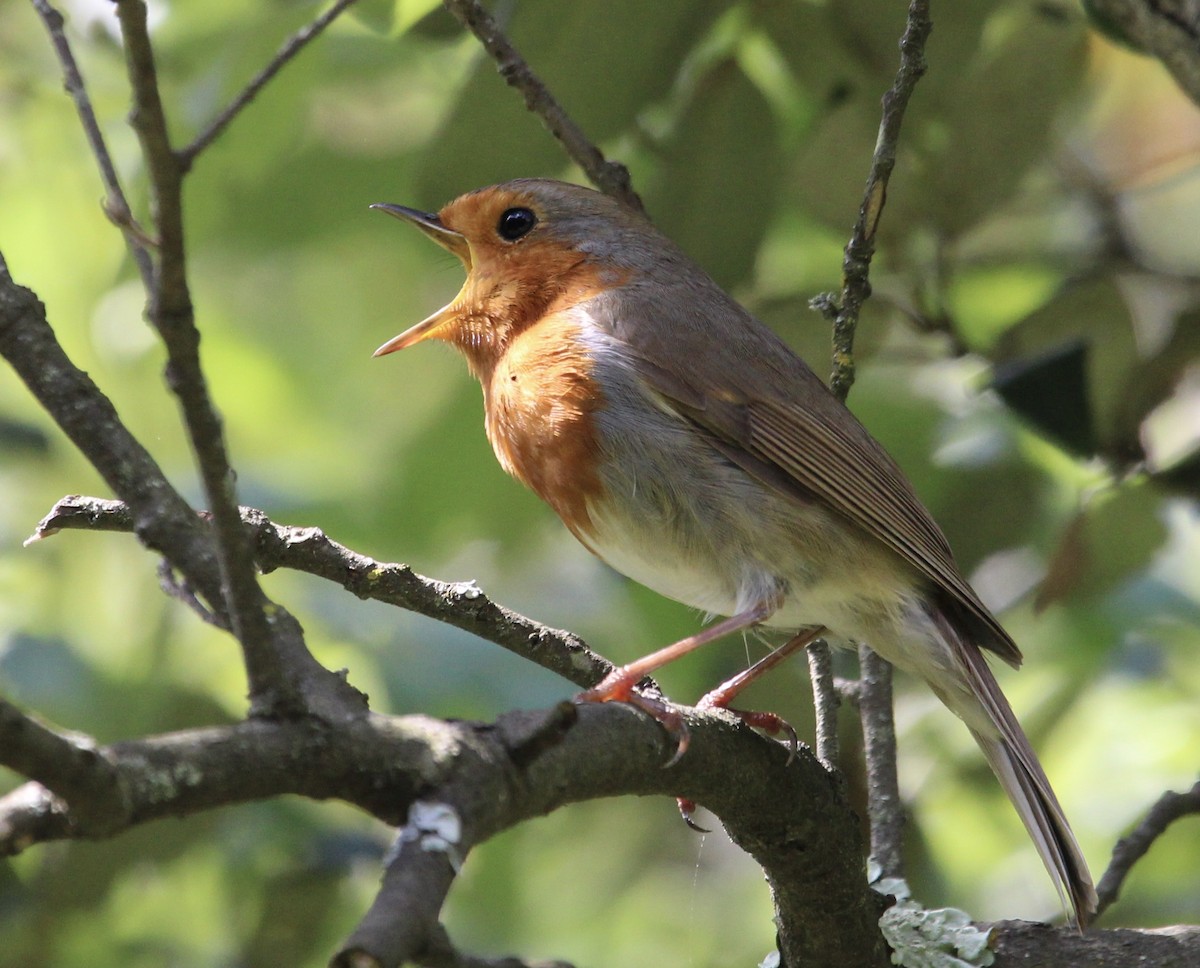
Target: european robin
{"points": [[688, 447]]}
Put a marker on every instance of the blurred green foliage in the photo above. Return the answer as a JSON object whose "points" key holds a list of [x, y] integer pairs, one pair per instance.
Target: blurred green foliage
{"points": [[1021, 226]]}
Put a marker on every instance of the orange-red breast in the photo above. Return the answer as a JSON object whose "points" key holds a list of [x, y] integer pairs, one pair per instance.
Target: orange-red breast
{"points": [[683, 442]]}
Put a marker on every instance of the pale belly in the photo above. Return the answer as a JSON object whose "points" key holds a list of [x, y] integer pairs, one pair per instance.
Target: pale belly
{"points": [[724, 544]]}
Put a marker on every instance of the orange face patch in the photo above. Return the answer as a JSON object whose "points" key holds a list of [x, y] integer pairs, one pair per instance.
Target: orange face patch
{"points": [[512, 322], [511, 284]]}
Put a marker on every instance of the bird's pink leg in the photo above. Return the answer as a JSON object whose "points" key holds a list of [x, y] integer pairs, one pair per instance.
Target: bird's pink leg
{"points": [[725, 693], [618, 685]]}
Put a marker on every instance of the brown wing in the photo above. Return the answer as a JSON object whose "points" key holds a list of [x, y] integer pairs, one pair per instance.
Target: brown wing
{"points": [[788, 430]]}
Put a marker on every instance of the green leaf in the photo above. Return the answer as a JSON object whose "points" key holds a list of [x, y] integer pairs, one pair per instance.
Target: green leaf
{"points": [[719, 188]]}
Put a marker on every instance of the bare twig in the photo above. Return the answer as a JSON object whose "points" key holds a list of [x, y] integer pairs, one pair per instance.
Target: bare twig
{"points": [[610, 177], [156, 512], [286, 53], [825, 703], [885, 809], [115, 204], [1170, 807], [461, 604], [161, 518], [415, 882], [856, 265], [274, 688], [179, 589], [875, 694], [72, 767]]}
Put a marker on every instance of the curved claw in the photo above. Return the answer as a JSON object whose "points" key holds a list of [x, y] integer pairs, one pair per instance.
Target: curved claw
{"points": [[683, 739], [686, 809], [617, 689], [793, 741]]}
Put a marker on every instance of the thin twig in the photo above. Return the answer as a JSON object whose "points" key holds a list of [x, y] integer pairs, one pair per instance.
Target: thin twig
{"points": [[1170, 807], [885, 809], [179, 589], [286, 53], [157, 513], [273, 688], [116, 206], [856, 265], [875, 693], [610, 177], [825, 703]]}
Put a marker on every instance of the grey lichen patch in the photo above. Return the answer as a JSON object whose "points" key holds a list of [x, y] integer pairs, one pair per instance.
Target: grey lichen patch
{"points": [[441, 743], [164, 784], [435, 827], [933, 938]]}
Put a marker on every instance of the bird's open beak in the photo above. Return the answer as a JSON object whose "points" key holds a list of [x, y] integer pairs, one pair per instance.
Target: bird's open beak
{"points": [[448, 239]]}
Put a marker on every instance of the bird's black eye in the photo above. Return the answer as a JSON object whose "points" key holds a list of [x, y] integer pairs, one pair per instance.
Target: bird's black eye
{"points": [[515, 222]]}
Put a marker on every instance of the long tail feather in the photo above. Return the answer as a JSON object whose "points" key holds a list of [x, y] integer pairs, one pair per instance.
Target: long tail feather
{"points": [[1021, 775]]}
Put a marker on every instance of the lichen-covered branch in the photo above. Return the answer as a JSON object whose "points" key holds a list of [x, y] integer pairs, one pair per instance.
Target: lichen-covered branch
{"points": [[488, 777]]}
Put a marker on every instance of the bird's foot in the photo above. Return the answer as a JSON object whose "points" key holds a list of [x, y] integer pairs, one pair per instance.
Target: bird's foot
{"points": [[770, 723], [618, 686]]}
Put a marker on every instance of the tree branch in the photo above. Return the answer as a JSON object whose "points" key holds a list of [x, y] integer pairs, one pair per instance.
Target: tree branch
{"points": [[276, 660], [610, 177], [875, 692], [885, 808], [159, 516], [787, 813], [826, 702], [1028, 944], [461, 604], [295, 44], [844, 310], [69, 766], [1170, 807], [293, 681]]}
